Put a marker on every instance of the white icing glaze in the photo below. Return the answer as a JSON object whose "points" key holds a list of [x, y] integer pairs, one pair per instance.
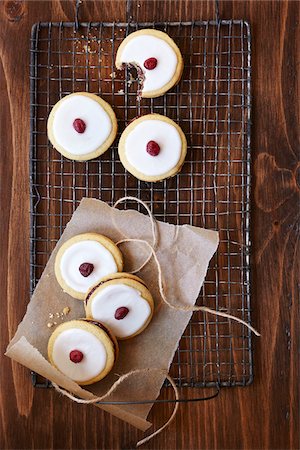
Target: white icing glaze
{"points": [[143, 47], [167, 137], [112, 297], [94, 354], [98, 125], [86, 251]]}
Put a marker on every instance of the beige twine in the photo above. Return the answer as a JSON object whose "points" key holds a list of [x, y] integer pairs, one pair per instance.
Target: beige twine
{"points": [[176, 307], [153, 228], [160, 283], [113, 388]]}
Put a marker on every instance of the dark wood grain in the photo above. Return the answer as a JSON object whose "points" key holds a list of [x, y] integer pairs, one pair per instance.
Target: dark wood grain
{"points": [[264, 415]]}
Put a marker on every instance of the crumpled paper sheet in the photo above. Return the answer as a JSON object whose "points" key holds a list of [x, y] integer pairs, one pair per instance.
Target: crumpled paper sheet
{"points": [[184, 253]]}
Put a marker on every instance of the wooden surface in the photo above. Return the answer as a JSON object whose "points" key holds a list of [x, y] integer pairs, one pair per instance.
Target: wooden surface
{"points": [[264, 415]]}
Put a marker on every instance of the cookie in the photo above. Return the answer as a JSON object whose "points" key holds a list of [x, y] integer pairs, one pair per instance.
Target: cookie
{"points": [[83, 350], [157, 58], [83, 260], [82, 126], [122, 302], [152, 147]]}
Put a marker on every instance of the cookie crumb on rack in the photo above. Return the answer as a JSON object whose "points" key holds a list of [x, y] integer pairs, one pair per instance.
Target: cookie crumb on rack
{"points": [[87, 49], [50, 324]]}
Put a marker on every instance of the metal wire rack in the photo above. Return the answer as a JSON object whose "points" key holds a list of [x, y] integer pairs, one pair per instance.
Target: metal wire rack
{"points": [[212, 105]]}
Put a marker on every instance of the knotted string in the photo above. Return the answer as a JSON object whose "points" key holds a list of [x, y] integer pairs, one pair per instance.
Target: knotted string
{"points": [[114, 387], [164, 298], [159, 270], [153, 229]]}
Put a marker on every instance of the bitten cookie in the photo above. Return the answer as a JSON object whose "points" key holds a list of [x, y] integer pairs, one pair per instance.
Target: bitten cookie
{"points": [[122, 302], [82, 126], [156, 57], [83, 350], [152, 147], [83, 260]]}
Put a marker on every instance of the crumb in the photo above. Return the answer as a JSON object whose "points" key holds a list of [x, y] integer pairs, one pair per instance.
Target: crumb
{"points": [[139, 5], [57, 314], [54, 323], [131, 79], [66, 310], [112, 75], [50, 324], [120, 91], [51, 316], [87, 49], [102, 49]]}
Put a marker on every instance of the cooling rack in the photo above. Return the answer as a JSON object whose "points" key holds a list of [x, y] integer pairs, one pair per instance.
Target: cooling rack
{"points": [[212, 105]]}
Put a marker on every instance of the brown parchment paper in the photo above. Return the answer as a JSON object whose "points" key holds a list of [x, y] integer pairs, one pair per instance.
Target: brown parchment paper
{"points": [[184, 253]]}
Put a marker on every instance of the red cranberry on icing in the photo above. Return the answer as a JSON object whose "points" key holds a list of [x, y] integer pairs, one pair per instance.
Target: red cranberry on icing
{"points": [[86, 269], [150, 63], [121, 313], [76, 356], [79, 125], [153, 148]]}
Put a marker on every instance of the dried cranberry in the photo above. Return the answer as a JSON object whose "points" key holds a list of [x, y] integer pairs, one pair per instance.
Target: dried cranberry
{"points": [[121, 313], [79, 125], [150, 63], [76, 356], [153, 148], [86, 269]]}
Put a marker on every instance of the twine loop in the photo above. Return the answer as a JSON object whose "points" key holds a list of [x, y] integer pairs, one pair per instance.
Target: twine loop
{"points": [[177, 307], [153, 254]]}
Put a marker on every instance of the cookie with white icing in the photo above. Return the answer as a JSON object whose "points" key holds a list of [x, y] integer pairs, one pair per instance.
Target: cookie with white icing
{"points": [[157, 58], [152, 147], [123, 303], [83, 350], [83, 260], [82, 126]]}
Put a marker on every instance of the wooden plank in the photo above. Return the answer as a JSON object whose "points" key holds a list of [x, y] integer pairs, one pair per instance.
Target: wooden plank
{"points": [[262, 416]]}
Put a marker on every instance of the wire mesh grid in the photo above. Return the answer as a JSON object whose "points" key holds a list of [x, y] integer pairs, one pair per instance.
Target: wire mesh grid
{"points": [[212, 105]]}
